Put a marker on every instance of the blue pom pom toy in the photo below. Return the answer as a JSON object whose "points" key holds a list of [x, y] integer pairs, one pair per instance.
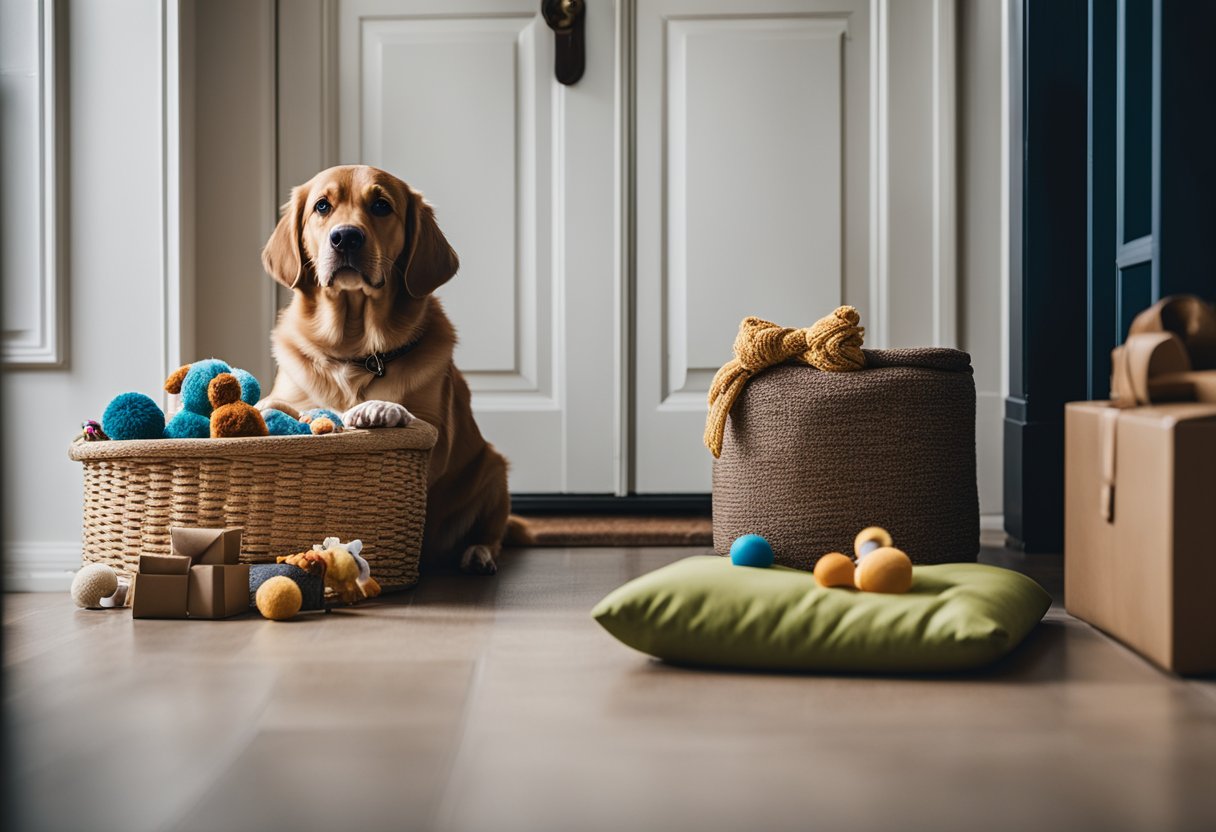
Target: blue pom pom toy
{"points": [[133, 416], [751, 550]]}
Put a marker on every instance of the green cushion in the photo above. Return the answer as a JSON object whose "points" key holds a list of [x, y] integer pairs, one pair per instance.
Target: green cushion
{"points": [[705, 610]]}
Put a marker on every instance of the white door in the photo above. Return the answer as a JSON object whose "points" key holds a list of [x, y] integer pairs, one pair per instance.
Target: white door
{"points": [[719, 158], [458, 98], [752, 195]]}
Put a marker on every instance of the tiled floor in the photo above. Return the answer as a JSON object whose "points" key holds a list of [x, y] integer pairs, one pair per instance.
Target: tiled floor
{"points": [[497, 704]]}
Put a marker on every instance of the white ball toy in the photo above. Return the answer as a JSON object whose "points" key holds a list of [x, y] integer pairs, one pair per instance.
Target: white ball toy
{"points": [[92, 583]]}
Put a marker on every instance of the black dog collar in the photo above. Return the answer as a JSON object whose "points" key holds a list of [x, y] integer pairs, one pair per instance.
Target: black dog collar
{"points": [[375, 362]]}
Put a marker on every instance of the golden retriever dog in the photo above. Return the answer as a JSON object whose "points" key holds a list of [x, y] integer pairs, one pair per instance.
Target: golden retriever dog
{"points": [[362, 253]]}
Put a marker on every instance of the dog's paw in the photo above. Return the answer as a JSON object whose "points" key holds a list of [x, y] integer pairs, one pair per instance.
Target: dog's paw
{"points": [[377, 414], [478, 560]]}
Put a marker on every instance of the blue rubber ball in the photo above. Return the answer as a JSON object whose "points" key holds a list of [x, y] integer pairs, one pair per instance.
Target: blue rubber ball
{"points": [[751, 550], [133, 416]]}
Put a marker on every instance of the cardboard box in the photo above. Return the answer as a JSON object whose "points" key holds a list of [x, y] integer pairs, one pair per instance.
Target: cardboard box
{"points": [[1139, 549], [207, 546], [201, 579], [161, 587], [218, 591]]}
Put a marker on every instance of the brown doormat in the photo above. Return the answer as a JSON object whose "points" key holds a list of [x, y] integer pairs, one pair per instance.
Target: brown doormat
{"points": [[619, 530]]}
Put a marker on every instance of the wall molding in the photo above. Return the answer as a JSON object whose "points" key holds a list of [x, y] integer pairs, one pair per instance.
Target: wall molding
{"points": [[40, 566], [624, 272], [878, 329], [42, 342], [174, 286], [945, 167]]}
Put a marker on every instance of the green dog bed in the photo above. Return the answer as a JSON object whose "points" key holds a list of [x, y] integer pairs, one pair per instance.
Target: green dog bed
{"points": [[706, 611]]}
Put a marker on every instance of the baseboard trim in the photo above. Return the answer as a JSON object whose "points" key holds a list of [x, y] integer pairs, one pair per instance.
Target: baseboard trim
{"points": [[611, 504], [992, 522], [40, 566]]}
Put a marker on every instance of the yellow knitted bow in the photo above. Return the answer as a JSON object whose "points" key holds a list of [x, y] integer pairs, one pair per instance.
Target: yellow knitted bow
{"points": [[832, 343]]}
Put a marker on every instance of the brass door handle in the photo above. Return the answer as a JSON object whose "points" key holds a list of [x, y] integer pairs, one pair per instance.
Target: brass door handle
{"points": [[565, 18]]}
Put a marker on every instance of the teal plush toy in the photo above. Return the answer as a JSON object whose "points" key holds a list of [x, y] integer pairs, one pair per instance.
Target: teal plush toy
{"points": [[284, 420], [282, 424], [193, 421], [308, 416]]}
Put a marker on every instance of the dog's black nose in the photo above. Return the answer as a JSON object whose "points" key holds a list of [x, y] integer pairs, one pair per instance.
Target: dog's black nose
{"points": [[346, 238]]}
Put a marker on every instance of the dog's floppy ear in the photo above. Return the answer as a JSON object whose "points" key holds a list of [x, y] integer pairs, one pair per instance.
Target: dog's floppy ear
{"points": [[430, 261], [283, 257]]}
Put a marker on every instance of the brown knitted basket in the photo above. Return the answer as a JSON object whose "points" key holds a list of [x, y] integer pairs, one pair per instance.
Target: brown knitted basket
{"points": [[286, 492], [810, 458]]}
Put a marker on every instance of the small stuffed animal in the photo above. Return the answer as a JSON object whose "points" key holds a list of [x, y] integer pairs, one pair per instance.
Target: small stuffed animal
{"points": [[310, 417], [283, 424], [192, 381], [284, 420], [231, 415], [346, 572], [91, 431]]}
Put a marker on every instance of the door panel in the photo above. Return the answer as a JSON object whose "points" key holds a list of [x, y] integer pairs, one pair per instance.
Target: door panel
{"points": [[751, 141], [468, 168]]}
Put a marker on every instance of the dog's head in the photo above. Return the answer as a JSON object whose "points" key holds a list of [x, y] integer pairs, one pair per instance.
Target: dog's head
{"points": [[357, 228]]}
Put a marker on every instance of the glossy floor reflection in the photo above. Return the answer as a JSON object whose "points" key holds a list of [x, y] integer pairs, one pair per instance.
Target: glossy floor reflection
{"points": [[498, 704]]}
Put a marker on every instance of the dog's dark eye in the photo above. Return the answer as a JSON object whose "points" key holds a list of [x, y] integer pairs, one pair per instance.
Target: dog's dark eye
{"points": [[322, 207], [381, 207]]}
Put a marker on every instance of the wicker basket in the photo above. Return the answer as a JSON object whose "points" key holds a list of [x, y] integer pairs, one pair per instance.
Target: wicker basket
{"points": [[286, 492], [809, 458]]}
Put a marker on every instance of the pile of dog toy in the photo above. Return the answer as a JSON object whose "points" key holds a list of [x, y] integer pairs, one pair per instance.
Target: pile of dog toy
{"points": [[217, 401]]}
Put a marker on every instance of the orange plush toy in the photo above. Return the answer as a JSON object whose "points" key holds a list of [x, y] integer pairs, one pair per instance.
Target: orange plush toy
{"points": [[231, 416], [341, 566]]}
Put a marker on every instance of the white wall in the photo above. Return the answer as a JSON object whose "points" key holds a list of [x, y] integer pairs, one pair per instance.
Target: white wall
{"points": [[114, 266]]}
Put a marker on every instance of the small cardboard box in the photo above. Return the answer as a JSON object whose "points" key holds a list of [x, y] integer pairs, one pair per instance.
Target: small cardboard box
{"points": [[207, 546], [1139, 552], [161, 587], [218, 591]]}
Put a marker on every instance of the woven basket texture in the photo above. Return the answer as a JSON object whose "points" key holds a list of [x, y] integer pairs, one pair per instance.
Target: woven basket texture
{"points": [[810, 458], [287, 493]]}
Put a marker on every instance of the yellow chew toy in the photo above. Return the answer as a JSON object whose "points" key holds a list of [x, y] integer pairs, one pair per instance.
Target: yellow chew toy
{"points": [[885, 569], [279, 598], [834, 569]]}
